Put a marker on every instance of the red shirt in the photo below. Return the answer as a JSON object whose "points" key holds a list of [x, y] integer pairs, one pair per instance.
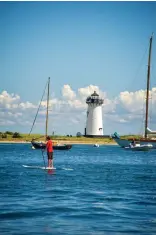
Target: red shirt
{"points": [[49, 146]]}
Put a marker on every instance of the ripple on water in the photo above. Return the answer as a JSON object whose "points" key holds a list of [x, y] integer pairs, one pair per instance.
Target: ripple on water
{"points": [[104, 190]]}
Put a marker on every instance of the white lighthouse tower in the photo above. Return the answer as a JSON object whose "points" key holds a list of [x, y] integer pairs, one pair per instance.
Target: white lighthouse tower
{"points": [[94, 125]]}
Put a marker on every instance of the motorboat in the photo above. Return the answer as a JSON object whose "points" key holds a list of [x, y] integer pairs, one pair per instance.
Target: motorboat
{"points": [[139, 147], [96, 145]]}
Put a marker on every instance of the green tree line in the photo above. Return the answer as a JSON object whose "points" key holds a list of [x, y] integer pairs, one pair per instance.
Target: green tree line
{"points": [[4, 135]]}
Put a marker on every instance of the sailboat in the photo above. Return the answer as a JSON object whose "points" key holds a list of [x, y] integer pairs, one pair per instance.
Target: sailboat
{"points": [[42, 145], [146, 139]]}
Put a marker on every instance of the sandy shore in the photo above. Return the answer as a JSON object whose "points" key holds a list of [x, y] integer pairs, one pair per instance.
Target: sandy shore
{"points": [[60, 142]]}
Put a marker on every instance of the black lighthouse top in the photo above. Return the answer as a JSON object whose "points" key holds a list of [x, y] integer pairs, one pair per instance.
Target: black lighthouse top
{"points": [[94, 99]]}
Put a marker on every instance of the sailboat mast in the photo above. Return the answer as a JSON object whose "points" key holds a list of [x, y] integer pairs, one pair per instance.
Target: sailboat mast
{"points": [[47, 108], [148, 83]]}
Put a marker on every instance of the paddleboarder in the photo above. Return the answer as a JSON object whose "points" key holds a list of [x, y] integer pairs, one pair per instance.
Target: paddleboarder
{"points": [[49, 147]]}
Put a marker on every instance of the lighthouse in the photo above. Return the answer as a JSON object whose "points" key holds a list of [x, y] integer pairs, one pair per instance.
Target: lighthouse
{"points": [[94, 124]]}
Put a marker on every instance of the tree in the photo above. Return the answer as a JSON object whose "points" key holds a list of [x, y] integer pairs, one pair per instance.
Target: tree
{"points": [[4, 136], [16, 135], [78, 134], [9, 133]]}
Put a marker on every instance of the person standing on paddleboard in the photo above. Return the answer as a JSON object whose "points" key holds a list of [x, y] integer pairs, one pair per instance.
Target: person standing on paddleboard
{"points": [[49, 147]]}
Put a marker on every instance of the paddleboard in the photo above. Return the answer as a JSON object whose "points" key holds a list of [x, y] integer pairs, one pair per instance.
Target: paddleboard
{"points": [[39, 167]]}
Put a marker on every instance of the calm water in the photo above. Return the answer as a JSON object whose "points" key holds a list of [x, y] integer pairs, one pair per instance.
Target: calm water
{"points": [[105, 190]]}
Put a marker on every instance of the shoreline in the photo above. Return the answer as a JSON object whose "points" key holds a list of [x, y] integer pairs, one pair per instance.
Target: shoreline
{"points": [[60, 142]]}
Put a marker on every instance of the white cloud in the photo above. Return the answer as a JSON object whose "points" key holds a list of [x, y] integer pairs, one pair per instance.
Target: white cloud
{"points": [[5, 122], [13, 111], [68, 93], [12, 101], [14, 114], [71, 109], [109, 106], [132, 101], [87, 91], [26, 105], [8, 99]]}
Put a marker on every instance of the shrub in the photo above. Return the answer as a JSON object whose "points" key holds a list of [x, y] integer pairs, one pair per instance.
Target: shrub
{"points": [[78, 134], [4, 136], [16, 135], [9, 133]]}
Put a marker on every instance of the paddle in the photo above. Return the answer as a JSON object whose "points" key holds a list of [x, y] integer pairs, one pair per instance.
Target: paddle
{"points": [[42, 150]]}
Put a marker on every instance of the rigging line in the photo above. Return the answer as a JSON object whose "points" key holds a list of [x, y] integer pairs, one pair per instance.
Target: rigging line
{"points": [[143, 114], [151, 107], [37, 110], [153, 77], [144, 108], [137, 71], [150, 101]]}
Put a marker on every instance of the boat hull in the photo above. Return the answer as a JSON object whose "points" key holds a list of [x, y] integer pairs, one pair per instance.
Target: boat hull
{"points": [[38, 145], [126, 142], [140, 148]]}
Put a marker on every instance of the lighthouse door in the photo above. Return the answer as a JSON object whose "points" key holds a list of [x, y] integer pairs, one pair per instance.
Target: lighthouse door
{"points": [[100, 131]]}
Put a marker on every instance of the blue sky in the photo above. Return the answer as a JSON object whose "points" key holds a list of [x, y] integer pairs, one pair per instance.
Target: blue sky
{"points": [[75, 43]]}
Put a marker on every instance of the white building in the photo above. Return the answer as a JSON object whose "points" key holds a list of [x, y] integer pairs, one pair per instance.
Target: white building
{"points": [[94, 124]]}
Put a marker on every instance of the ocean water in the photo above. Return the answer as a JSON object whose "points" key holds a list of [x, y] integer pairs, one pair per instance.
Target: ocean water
{"points": [[105, 190]]}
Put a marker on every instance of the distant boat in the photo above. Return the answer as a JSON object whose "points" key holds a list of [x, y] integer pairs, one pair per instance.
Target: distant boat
{"points": [[145, 140], [42, 145], [96, 145], [139, 147]]}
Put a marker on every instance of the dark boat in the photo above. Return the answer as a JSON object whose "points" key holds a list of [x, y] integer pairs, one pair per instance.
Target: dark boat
{"points": [[40, 145]]}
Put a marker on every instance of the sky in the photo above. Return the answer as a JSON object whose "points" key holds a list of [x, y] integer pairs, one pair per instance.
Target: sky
{"points": [[82, 47]]}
